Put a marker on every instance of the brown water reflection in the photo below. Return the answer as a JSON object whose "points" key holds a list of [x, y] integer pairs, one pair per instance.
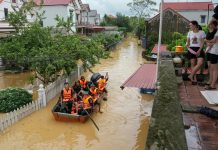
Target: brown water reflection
{"points": [[14, 80], [123, 125]]}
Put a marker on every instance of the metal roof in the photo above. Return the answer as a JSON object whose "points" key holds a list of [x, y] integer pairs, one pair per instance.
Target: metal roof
{"points": [[53, 2], [163, 48], [144, 77], [188, 5]]}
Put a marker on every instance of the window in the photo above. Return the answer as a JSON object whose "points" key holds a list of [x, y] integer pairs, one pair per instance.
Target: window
{"points": [[6, 13], [71, 14], [203, 18], [13, 1]]}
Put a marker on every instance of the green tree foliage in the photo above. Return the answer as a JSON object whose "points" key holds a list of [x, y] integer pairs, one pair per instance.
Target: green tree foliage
{"points": [[50, 56], [13, 98], [141, 9], [65, 24], [178, 40]]}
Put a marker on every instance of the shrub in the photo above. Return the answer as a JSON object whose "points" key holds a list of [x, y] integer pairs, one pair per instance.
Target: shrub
{"points": [[13, 98]]}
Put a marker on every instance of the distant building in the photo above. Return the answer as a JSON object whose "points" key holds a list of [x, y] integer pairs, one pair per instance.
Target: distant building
{"points": [[172, 22], [198, 11], [89, 17], [90, 20]]}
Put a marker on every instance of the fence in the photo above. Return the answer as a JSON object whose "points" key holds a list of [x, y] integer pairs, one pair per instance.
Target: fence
{"points": [[16, 115], [44, 96], [54, 88]]}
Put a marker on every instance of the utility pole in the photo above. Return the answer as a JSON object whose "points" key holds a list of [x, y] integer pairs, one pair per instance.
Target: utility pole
{"points": [[159, 40]]}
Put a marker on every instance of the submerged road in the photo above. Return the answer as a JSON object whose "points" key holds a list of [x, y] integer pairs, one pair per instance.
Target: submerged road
{"points": [[123, 125]]}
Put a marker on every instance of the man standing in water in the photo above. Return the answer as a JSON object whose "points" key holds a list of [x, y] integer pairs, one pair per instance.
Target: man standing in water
{"points": [[66, 98]]}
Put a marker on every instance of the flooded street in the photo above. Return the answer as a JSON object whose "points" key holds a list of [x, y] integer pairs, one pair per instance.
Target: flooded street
{"points": [[123, 123], [14, 79]]}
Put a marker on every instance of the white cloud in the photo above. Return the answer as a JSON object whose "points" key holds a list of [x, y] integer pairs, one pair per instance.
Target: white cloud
{"points": [[114, 6]]}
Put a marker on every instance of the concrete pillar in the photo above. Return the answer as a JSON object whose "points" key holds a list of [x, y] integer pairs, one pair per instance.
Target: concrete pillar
{"points": [[42, 97], [78, 71]]}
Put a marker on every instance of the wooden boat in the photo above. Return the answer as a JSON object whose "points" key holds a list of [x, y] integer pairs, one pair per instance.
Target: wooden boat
{"points": [[66, 117]]}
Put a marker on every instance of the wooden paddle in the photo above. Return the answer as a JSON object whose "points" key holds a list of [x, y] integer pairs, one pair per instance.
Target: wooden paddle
{"points": [[92, 119]]}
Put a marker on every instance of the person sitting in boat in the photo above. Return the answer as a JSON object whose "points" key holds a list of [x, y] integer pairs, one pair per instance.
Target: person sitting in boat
{"points": [[93, 91], [66, 98], [87, 101], [83, 83], [102, 83], [77, 87]]}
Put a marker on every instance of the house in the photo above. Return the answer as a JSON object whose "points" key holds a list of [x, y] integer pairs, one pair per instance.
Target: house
{"points": [[89, 17], [62, 8], [90, 21], [172, 22], [199, 11], [5, 9]]}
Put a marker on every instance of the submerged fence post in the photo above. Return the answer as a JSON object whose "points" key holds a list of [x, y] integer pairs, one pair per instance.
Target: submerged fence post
{"points": [[42, 97]]}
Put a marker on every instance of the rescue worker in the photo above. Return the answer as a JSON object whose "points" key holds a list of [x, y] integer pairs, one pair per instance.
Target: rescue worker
{"points": [[93, 91], [66, 98], [83, 83], [102, 83], [87, 101], [77, 87]]}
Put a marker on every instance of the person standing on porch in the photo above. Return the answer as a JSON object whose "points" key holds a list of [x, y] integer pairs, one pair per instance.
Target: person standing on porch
{"points": [[195, 43], [212, 55]]}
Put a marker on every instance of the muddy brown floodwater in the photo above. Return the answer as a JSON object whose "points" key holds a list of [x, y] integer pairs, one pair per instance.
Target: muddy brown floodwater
{"points": [[123, 125], [14, 80]]}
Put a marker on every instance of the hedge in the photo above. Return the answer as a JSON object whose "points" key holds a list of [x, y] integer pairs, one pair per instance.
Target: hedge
{"points": [[13, 98]]}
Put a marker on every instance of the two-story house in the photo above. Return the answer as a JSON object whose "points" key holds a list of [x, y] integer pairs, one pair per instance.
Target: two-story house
{"points": [[199, 11], [89, 17], [62, 8]]}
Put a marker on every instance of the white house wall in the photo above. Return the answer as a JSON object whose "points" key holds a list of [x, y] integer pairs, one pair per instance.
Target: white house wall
{"points": [[196, 15], [7, 4], [93, 18], [50, 14]]}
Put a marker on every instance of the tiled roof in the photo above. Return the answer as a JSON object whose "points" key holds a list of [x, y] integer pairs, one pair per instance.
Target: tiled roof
{"points": [[53, 2], [144, 77], [163, 48], [188, 5]]}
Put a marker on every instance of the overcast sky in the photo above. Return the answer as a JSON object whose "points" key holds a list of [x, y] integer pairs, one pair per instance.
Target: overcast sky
{"points": [[114, 6]]}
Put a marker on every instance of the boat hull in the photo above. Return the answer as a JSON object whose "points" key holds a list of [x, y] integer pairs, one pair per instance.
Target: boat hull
{"points": [[65, 117]]}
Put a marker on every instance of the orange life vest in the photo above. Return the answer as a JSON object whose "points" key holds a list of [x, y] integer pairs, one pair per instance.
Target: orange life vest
{"points": [[67, 94], [86, 99], [83, 83], [101, 84], [95, 94]]}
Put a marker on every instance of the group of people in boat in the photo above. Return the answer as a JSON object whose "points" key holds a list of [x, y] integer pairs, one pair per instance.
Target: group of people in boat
{"points": [[196, 40], [82, 96]]}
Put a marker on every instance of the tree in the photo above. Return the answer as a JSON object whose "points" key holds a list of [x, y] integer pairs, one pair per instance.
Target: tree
{"points": [[65, 24], [47, 55], [141, 9], [18, 18]]}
